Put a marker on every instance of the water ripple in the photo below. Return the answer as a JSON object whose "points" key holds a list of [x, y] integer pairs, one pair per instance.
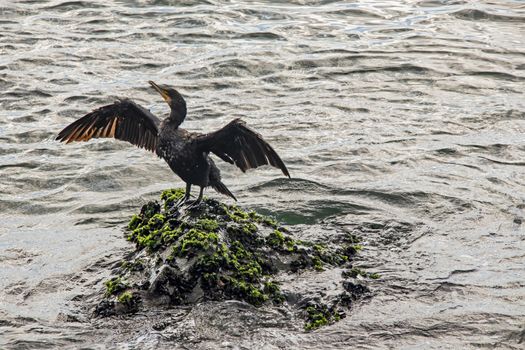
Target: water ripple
{"points": [[401, 122]]}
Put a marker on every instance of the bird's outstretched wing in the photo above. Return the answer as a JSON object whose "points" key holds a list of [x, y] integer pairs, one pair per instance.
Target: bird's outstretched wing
{"points": [[237, 144], [124, 120]]}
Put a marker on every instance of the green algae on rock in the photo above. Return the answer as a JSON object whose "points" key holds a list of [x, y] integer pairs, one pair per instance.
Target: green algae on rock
{"points": [[115, 285], [217, 252], [354, 272], [319, 315]]}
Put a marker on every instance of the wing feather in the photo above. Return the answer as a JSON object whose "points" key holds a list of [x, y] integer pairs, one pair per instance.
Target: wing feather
{"points": [[238, 144], [124, 120]]}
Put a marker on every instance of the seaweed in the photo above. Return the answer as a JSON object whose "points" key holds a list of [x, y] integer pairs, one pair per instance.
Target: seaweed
{"points": [[355, 272], [318, 315], [115, 285], [125, 298]]}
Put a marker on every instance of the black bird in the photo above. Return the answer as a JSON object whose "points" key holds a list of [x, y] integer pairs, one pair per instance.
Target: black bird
{"points": [[187, 153]]}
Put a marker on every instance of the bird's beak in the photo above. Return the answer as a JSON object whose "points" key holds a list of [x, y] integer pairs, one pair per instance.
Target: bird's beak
{"points": [[161, 91]]}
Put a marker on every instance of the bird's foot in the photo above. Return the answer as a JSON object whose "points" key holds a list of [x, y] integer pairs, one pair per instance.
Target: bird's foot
{"points": [[181, 202], [194, 204]]}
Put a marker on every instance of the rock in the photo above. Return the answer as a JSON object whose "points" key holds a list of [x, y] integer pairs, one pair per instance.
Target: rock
{"points": [[220, 252]]}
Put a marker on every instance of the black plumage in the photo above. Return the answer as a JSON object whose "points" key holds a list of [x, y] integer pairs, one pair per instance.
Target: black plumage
{"points": [[186, 153]]}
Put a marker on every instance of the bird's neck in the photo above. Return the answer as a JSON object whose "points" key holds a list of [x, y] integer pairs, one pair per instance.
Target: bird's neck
{"points": [[175, 119]]}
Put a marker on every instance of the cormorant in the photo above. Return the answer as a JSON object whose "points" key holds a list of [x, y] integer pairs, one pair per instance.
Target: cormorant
{"points": [[187, 153]]}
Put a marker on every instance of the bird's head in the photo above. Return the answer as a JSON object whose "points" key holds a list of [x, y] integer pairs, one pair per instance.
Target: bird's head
{"points": [[172, 97]]}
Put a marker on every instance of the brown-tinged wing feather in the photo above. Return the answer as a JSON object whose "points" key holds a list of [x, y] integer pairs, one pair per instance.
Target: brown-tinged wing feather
{"points": [[124, 120], [237, 144]]}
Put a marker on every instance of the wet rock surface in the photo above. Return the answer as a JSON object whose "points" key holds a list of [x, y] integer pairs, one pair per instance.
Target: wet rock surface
{"points": [[214, 252]]}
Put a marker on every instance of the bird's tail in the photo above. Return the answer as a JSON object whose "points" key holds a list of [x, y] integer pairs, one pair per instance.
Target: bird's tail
{"points": [[221, 188]]}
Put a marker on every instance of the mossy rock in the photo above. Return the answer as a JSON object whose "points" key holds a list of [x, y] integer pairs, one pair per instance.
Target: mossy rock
{"points": [[220, 252]]}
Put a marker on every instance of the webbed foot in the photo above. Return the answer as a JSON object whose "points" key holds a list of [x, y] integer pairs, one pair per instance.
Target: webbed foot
{"points": [[196, 203]]}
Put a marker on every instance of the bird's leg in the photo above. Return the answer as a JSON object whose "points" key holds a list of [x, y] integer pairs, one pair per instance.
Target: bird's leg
{"points": [[198, 201], [186, 196], [188, 192]]}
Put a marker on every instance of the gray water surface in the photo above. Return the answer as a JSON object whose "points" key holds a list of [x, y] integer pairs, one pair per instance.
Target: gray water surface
{"points": [[402, 121]]}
